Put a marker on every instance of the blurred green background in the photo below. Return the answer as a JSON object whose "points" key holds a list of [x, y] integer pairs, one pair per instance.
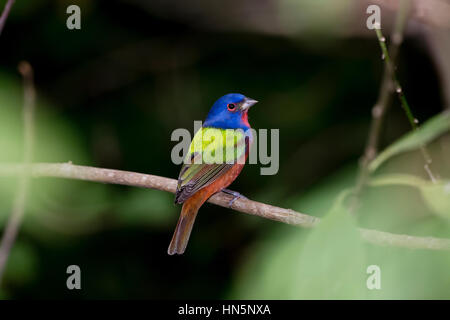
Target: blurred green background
{"points": [[110, 94]]}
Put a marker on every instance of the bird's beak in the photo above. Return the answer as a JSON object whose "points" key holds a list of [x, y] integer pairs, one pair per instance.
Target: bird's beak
{"points": [[247, 103]]}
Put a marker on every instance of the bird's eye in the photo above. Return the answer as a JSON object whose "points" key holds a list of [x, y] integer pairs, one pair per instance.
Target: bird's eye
{"points": [[231, 106]]}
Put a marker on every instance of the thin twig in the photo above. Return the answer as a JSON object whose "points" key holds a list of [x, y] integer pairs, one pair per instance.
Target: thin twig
{"points": [[383, 102], [5, 14], [70, 171], [404, 103], [15, 219]]}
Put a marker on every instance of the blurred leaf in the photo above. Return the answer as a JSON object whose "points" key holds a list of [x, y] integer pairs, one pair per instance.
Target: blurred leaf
{"points": [[431, 129], [331, 264], [330, 261], [436, 195], [411, 274], [327, 264], [268, 268], [397, 179]]}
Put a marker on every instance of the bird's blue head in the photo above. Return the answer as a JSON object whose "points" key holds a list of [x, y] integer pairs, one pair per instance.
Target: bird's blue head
{"points": [[230, 112]]}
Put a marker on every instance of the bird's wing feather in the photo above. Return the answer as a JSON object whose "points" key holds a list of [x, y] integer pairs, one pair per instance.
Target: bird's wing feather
{"points": [[211, 154]]}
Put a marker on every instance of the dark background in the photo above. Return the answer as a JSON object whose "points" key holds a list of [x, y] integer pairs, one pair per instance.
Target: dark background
{"points": [[110, 95]]}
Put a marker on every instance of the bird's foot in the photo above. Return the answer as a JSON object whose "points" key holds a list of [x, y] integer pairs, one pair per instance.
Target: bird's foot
{"points": [[236, 195]]}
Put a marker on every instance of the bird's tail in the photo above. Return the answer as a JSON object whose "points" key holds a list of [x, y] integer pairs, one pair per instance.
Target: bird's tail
{"points": [[184, 226]]}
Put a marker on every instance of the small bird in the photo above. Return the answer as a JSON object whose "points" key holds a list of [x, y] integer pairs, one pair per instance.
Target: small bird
{"points": [[200, 177]]}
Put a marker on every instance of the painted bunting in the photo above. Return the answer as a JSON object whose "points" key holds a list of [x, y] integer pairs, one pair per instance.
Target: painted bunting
{"points": [[213, 162]]}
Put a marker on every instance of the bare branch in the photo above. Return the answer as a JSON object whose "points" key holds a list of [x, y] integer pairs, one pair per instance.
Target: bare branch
{"points": [[18, 210], [70, 171], [5, 14]]}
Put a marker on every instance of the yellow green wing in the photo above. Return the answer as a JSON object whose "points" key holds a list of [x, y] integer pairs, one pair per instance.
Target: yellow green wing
{"points": [[211, 154]]}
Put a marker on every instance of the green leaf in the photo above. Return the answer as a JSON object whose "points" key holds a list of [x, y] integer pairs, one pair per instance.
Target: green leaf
{"points": [[435, 194], [437, 197], [331, 264], [327, 262], [431, 129]]}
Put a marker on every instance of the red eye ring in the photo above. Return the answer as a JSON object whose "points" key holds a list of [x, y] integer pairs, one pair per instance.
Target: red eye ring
{"points": [[231, 107]]}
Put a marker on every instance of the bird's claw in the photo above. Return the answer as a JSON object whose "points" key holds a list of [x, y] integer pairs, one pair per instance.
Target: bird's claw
{"points": [[236, 195]]}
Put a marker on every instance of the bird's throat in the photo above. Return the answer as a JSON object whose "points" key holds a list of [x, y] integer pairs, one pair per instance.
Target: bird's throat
{"points": [[244, 119]]}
